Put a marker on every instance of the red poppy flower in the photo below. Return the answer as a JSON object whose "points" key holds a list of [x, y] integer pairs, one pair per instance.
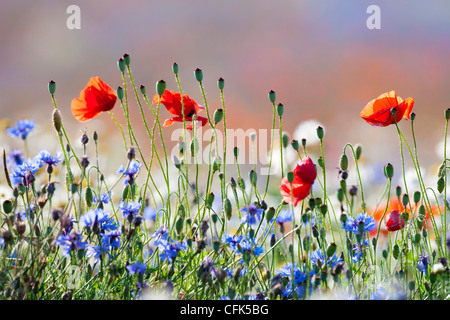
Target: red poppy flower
{"points": [[96, 98], [304, 176], [393, 219], [172, 101], [378, 111]]}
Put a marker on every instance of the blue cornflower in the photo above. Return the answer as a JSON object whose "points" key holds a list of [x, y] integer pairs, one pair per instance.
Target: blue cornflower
{"points": [[248, 247], [251, 214], [284, 216], [136, 267], [24, 173], [162, 234], [22, 129], [362, 220], [319, 256], [358, 250], [423, 263], [111, 239], [2, 242], [46, 158], [150, 213], [94, 218], [70, 242], [169, 251], [15, 156], [232, 241], [104, 197], [94, 252], [130, 209], [130, 172]]}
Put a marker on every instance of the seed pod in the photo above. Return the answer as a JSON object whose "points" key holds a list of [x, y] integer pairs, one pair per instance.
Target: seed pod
{"points": [[121, 65], [389, 171], [175, 68], [285, 139], [253, 177], [120, 93], [331, 249], [417, 197], [142, 88], [340, 195], [51, 87], [320, 162], [210, 200], [7, 206], [405, 200]]}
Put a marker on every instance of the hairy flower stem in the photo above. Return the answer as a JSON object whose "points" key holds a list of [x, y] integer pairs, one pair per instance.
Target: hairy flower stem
{"points": [[271, 148]]}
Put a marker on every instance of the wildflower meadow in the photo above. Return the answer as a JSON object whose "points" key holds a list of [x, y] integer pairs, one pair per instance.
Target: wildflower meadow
{"points": [[194, 218]]}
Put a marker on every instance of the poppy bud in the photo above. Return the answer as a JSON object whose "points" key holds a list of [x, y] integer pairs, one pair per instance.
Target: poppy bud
{"points": [[440, 184], [340, 195], [142, 88], [320, 132], [323, 208], [270, 214], [385, 254], [441, 170], [416, 197], [389, 171], [95, 136], [233, 183], [253, 177], [412, 116], [320, 162], [417, 238], [343, 184], [179, 225], [89, 196], [331, 249], [398, 191], [126, 58], [7, 206], [236, 151], [419, 223], [272, 96], [405, 216], [241, 184], [175, 68], [218, 115], [396, 251], [294, 144], [160, 87], [216, 164], [280, 109], [304, 143], [447, 114], [51, 87], [358, 151], [210, 200], [285, 139], [119, 93], [343, 218], [343, 162], [405, 200], [57, 122], [221, 83], [312, 203], [121, 65], [422, 210], [228, 208], [374, 242], [198, 75], [290, 177]]}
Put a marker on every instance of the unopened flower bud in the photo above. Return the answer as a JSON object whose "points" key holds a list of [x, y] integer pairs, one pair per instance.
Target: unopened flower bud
{"points": [[198, 75], [126, 58], [280, 110], [440, 184], [447, 114], [95, 136], [218, 115], [285, 139], [160, 87], [121, 65], [253, 177], [84, 138], [175, 68], [7, 206], [290, 177], [272, 96], [120, 93], [221, 83], [389, 171], [358, 151], [320, 132], [398, 191], [84, 162], [343, 162], [142, 88], [57, 121], [51, 87], [131, 154], [270, 214], [228, 208], [405, 200], [294, 144], [331, 249]]}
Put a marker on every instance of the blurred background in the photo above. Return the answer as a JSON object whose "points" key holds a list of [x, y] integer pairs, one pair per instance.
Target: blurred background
{"points": [[318, 56]]}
